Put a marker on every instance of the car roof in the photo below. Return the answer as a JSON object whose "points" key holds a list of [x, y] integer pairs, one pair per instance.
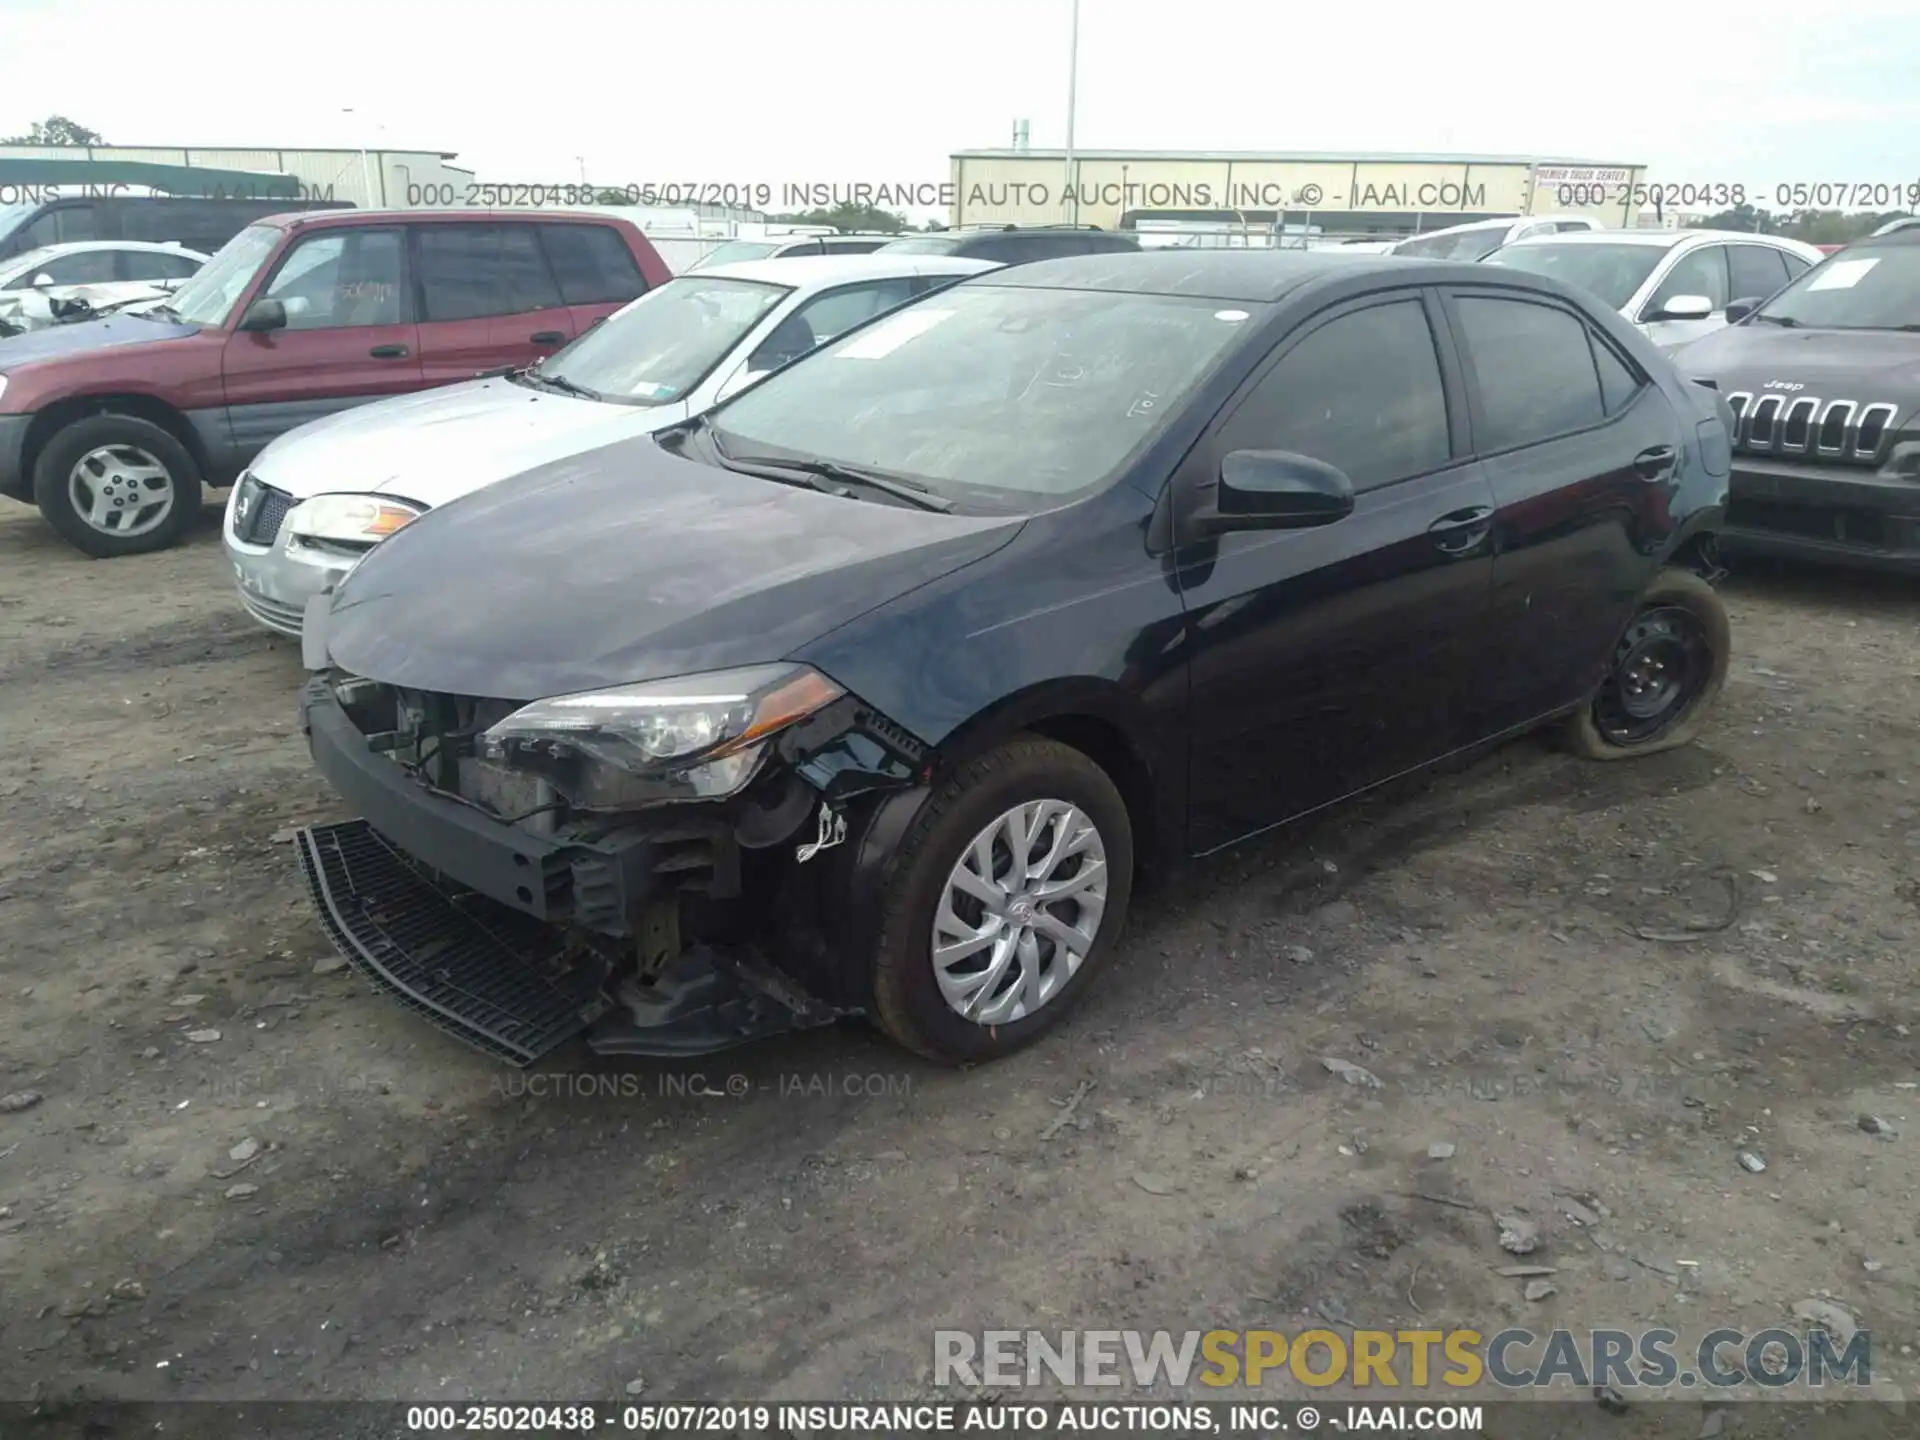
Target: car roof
{"points": [[75, 247], [1244, 275], [318, 218], [814, 272], [1664, 239], [1500, 222]]}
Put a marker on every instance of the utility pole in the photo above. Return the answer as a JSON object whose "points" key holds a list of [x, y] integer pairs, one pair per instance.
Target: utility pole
{"points": [[1073, 76]]}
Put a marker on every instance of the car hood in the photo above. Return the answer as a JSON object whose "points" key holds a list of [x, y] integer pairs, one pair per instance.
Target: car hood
{"points": [[435, 445], [1866, 366], [626, 564], [58, 340]]}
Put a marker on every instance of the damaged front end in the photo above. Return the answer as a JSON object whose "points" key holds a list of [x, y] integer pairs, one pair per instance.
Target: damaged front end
{"points": [[667, 867]]}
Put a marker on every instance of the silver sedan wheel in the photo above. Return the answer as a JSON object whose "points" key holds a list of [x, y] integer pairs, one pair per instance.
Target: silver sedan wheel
{"points": [[120, 490], [1020, 911]]}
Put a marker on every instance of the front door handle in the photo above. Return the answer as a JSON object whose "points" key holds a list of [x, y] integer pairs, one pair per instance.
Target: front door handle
{"points": [[548, 337], [1655, 463], [388, 352], [1460, 531]]}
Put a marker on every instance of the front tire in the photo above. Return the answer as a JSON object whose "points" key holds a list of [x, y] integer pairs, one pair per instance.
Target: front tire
{"points": [[982, 951], [1664, 676], [117, 485]]}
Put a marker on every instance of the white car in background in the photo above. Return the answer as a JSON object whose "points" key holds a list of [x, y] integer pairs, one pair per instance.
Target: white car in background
{"points": [[1673, 284], [316, 500], [1480, 238], [36, 286]]}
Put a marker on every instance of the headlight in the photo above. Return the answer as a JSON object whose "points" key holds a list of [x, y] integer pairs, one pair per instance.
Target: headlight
{"points": [[693, 737], [350, 518]]}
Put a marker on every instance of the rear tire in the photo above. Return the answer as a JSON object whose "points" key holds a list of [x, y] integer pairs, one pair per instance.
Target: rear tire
{"points": [[1077, 882], [1665, 674], [117, 485]]}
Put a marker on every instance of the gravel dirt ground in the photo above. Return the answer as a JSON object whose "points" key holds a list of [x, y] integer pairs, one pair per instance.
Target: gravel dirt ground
{"points": [[247, 1176]]}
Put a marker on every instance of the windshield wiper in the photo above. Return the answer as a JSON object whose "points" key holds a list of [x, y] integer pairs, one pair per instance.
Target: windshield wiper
{"points": [[1785, 322], [830, 477], [561, 383]]}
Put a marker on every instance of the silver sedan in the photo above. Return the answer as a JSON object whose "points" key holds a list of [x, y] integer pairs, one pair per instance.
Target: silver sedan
{"points": [[319, 498]]}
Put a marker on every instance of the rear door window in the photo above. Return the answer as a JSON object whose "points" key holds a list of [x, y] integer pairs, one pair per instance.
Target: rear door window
{"points": [[1757, 270], [1534, 367], [469, 272], [154, 265], [592, 264]]}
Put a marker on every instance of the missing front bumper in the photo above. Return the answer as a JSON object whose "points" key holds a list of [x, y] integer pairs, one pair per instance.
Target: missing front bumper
{"points": [[516, 988]]}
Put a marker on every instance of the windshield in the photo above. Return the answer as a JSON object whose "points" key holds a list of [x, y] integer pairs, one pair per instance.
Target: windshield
{"points": [[736, 250], [923, 245], [1462, 245], [1614, 273], [216, 287], [1870, 287], [1002, 397], [665, 343]]}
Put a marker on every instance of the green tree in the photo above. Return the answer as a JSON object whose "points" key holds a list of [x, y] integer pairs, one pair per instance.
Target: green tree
{"points": [[1750, 218], [57, 130], [1833, 227], [847, 216], [613, 197]]}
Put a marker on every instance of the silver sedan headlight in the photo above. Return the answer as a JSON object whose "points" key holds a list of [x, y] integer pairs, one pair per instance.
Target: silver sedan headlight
{"points": [[351, 519], [698, 737]]}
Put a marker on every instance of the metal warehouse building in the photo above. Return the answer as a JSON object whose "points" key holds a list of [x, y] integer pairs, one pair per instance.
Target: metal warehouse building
{"points": [[370, 178], [1338, 194]]}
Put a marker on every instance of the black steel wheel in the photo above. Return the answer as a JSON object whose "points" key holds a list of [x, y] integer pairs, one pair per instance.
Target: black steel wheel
{"points": [[1663, 675]]}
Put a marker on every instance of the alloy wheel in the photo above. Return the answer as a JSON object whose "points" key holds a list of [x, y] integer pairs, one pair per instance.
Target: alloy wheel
{"points": [[1019, 912], [120, 490]]}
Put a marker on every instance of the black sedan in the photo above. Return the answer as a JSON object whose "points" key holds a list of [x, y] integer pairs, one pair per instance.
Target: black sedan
{"points": [[867, 693]]}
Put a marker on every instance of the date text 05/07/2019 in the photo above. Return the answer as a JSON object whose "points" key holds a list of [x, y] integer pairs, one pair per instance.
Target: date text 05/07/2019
{"points": [[1721, 195]]}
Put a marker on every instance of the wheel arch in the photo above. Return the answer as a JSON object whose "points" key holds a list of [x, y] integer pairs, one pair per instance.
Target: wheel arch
{"points": [[1112, 728], [51, 419]]}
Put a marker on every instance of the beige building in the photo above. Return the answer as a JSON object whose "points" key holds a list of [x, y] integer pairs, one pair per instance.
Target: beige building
{"points": [[1350, 194]]}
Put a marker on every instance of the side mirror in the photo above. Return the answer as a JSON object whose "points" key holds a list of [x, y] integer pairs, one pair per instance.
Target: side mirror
{"points": [[1738, 310], [1274, 490], [42, 281], [1684, 307], [265, 315]]}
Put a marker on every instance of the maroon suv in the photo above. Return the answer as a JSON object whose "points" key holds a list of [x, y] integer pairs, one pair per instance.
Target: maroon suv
{"points": [[113, 426]]}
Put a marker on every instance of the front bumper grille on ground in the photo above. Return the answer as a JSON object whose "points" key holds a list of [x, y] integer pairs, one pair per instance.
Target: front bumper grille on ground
{"points": [[495, 978], [518, 989]]}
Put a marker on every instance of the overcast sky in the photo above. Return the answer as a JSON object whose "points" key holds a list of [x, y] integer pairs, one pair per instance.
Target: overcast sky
{"points": [[853, 90]]}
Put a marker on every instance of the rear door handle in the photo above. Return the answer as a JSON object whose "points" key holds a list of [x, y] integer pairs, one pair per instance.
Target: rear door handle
{"points": [[1460, 531], [548, 337], [1654, 463], [388, 352]]}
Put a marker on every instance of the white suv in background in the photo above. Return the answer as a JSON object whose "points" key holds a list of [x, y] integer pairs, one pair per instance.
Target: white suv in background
{"points": [[1480, 239], [1673, 284]]}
